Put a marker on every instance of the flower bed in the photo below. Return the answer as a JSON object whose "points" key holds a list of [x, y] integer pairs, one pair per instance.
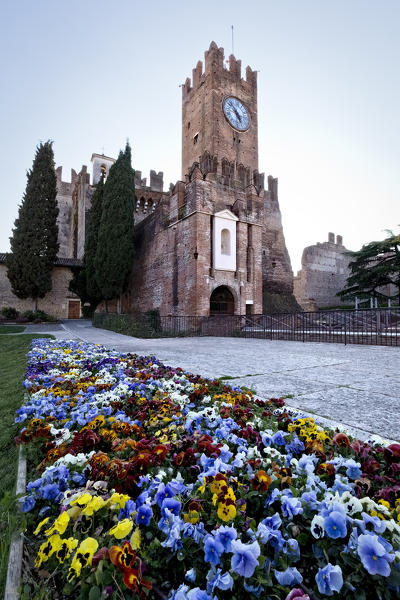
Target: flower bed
{"points": [[156, 482]]}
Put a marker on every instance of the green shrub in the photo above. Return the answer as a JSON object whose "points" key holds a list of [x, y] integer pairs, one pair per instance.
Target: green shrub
{"points": [[9, 312], [38, 316], [128, 324]]}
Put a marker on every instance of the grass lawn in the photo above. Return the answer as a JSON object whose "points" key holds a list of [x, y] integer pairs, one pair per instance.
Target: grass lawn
{"points": [[4, 329], [13, 352]]}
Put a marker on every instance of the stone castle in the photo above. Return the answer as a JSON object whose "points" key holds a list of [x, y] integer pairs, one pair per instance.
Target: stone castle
{"points": [[213, 243], [324, 271]]}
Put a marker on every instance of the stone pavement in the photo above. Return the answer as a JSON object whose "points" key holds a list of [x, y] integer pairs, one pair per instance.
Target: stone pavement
{"points": [[356, 386]]}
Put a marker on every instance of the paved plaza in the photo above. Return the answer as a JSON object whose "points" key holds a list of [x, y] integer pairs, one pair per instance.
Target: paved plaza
{"points": [[357, 386]]}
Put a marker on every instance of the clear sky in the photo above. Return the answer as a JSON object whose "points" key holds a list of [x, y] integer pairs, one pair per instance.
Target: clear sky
{"points": [[88, 74]]}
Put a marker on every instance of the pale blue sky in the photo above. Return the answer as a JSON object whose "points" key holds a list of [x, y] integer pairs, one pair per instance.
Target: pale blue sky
{"points": [[89, 74]]}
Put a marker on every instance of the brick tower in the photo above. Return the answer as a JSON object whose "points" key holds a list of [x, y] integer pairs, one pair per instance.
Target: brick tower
{"points": [[207, 110], [214, 243]]}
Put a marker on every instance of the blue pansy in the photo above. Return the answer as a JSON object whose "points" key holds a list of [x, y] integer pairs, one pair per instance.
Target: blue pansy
{"points": [[172, 505], [374, 555], [291, 506], [180, 593], [196, 532], [353, 470], [128, 509], [335, 525], [212, 549], [51, 491], [144, 515], [225, 535], [190, 575], [289, 577], [244, 560], [173, 532], [219, 580], [293, 550], [28, 504], [198, 594], [279, 438], [329, 579]]}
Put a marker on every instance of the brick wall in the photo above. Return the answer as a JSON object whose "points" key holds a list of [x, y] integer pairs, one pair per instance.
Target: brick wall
{"points": [[55, 303]]}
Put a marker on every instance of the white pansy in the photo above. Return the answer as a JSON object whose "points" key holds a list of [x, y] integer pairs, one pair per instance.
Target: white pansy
{"points": [[207, 400], [317, 527], [61, 435], [78, 460], [272, 452], [253, 452]]}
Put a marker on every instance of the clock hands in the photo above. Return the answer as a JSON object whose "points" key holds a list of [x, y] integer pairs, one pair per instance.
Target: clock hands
{"points": [[237, 114]]}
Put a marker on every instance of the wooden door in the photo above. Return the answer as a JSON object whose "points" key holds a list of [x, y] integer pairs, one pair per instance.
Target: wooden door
{"points": [[74, 309]]}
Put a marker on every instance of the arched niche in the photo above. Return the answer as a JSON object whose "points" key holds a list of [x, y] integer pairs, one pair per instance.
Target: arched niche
{"points": [[222, 301]]}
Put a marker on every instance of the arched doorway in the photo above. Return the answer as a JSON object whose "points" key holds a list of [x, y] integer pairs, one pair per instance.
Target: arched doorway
{"points": [[222, 301]]}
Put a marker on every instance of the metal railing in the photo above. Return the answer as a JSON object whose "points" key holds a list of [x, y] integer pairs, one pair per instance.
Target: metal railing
{"points": [[367, 326]]}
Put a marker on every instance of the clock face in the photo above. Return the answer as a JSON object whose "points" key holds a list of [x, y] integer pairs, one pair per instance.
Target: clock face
{"points": [[236, 113]]}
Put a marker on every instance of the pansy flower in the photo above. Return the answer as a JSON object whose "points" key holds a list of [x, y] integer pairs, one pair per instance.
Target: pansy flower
{"points": [[83, 557]]}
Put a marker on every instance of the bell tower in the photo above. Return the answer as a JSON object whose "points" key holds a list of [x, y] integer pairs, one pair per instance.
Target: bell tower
{"points": [[219, 119]]}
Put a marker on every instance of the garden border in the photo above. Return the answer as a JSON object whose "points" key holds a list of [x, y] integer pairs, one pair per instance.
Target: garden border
{"points": [[16, 547]]}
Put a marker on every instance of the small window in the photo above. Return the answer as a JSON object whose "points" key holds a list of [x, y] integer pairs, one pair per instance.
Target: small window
{"points": [[188, 125], [225, 242], [196, 138]]}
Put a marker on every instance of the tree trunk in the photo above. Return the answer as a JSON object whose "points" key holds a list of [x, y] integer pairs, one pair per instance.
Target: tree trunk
{"points": [[119, 305], [35, 304]]}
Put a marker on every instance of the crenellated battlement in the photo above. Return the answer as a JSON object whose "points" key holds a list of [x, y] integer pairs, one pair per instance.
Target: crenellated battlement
{"points": [[156, 181], [217, 67], [64, 187]]}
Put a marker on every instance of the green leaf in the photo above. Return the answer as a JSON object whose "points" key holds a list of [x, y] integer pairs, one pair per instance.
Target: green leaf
{"points": [[302, 539], [95, 593]]}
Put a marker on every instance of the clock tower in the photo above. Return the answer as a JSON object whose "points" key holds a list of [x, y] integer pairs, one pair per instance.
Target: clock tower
{"points": [[214, 244], [219, 118]]}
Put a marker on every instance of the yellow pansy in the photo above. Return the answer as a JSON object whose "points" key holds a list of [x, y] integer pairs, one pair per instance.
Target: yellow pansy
{"points": [[119, 499], [60, 524], [81, 500], [65, 549], [51, 545], [192, 517], [39, 527], [94, 505], [230, 494], [122, 529], [74, 512], [226, 512], [83, 557], [202, 488], [136, 539]]}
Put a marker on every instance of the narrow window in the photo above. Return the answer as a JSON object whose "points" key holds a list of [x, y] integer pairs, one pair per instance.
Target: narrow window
{"points": [[225, 242], [195, 138]]}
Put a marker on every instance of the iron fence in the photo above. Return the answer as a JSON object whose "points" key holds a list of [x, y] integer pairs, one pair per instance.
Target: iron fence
{"points": [[367, 326]]}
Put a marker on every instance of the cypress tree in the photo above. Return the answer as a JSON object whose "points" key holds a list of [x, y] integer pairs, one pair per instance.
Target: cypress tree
{"points": [[34, 242], [92, 232], [115, 247]]}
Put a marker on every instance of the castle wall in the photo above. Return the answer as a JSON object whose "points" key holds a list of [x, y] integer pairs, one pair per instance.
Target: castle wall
{"points": [[277, 271], [147, 197], [65, 219], [55, 303], [173, 269], [325, 269]]}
